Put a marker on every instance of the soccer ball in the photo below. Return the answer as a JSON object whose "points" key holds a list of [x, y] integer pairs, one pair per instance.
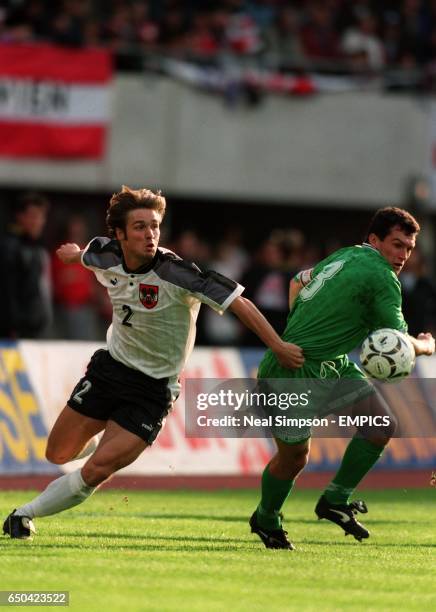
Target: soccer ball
{"points": [[387, 354]]}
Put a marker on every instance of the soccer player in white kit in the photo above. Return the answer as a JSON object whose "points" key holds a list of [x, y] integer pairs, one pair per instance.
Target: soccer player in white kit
{"points": [[128, 389]]}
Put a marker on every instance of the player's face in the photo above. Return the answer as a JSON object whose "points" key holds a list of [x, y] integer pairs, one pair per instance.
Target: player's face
{"points": [[141, 238], [396, 247]]}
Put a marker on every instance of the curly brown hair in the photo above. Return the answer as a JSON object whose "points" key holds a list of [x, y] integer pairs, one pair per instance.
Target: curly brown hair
{"points": [[127, 199]]}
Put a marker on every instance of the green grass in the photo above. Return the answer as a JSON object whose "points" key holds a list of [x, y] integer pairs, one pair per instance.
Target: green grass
{"points": [[193, 551]]}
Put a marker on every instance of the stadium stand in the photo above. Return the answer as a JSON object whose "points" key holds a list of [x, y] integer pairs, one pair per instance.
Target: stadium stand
{"points": [[338, 34]]}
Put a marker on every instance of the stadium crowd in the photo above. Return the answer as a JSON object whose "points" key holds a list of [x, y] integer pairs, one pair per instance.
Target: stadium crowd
{"points": [[354, 34], [44, 298]]}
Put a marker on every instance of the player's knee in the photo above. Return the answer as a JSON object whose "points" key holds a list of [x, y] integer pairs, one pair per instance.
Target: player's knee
{"points": [[56, 456], [391, 428], [288, 467], [301, 459], [387, 433], [95, 472], [380, 436]]}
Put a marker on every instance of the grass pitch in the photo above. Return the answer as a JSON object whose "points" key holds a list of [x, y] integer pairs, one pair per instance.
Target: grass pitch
{"points": [[193, 551]]}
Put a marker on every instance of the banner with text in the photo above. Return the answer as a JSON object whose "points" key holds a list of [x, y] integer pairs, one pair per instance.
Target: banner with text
{"points": [[54, 101]]}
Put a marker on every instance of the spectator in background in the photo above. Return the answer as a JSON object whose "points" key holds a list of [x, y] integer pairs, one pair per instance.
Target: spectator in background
{"points": [[361, 41], [146, 30], [413, 28], [173, 28], [219, 22], [419, 295], [232, 258], [74, 289], [201, 40], [266, 283], [189, 246], [69, 22], [25, 307], [241, 28], [229, 258], [118, 30], [293, 246], [392, 37], [242, 33], [282, 41], [319, 36]]}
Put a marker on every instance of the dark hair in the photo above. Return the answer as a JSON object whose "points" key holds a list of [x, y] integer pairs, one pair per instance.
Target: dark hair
{"points": [[31, 198], [127, 199], [385, 219]]}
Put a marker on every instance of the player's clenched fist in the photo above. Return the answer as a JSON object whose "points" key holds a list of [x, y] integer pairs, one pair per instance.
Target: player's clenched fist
{"points": [[69, 253], [289, 355], [427, 343]]}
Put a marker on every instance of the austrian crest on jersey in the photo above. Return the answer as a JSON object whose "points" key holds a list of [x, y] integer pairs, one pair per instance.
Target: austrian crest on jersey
{"points": [[149, 295]]}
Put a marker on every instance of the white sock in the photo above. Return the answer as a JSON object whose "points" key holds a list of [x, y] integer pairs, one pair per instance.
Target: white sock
{"points": [[61, 494], [88, 450]]}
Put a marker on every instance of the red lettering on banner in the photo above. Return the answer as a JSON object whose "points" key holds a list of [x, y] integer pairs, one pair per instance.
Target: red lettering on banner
{"points": [[173, 434], [165, 439], [254, 455], [221, 368]]}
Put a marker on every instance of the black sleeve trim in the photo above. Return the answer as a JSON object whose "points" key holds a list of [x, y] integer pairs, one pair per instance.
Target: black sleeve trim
{"points": [[102, 253], [187, 275], [223, 280], [104, 245]]}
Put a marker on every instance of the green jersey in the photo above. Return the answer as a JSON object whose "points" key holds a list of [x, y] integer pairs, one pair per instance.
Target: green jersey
{"points": [[352, 292]]}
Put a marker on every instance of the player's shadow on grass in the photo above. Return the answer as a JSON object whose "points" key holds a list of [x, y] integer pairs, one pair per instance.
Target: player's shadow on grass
{"points": [[288, 518], [373, 522], [349, 541], [54, 549], [132, 536], [398, 522], [147, 547], [167, 516]]}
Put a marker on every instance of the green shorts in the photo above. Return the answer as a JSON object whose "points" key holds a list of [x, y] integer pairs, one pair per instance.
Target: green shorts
{"points": [[319, 388]]}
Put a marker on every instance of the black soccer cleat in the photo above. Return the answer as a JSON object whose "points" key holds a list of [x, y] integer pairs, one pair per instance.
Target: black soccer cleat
{"points": [[272, 538], [19, 527], [344, 516]]}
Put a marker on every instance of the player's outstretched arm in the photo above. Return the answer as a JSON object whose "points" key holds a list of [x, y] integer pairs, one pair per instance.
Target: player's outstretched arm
{"points": [[69, 253], [424, 344], [289, 355]]}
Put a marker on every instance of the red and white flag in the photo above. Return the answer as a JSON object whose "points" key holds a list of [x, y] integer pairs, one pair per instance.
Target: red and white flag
{"points": [[54, 102]]}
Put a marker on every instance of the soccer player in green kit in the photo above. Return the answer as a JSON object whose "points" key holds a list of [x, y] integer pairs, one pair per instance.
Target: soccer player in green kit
{"points": [[334, 307]]}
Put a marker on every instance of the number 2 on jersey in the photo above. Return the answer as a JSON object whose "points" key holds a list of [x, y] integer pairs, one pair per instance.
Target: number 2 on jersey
{"points": [[129, 315], [325, 274]]}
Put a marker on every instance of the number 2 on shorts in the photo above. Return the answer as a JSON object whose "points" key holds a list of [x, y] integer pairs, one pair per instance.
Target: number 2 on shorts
{"points": [[86, 385]]}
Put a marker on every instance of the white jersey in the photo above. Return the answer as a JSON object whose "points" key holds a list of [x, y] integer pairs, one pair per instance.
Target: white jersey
{"points": [[155, 308]]}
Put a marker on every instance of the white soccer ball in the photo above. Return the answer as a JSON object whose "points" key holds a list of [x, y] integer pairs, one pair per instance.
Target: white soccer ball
{"points": [[387, 354]]}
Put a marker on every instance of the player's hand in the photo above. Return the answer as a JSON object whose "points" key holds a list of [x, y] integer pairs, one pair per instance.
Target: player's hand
{"points": [[427, 343], [69, 253], [289, 355]]}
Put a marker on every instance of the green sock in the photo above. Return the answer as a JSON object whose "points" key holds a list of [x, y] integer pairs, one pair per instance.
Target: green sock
{"points": [[274, 494], [359, 457]]}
